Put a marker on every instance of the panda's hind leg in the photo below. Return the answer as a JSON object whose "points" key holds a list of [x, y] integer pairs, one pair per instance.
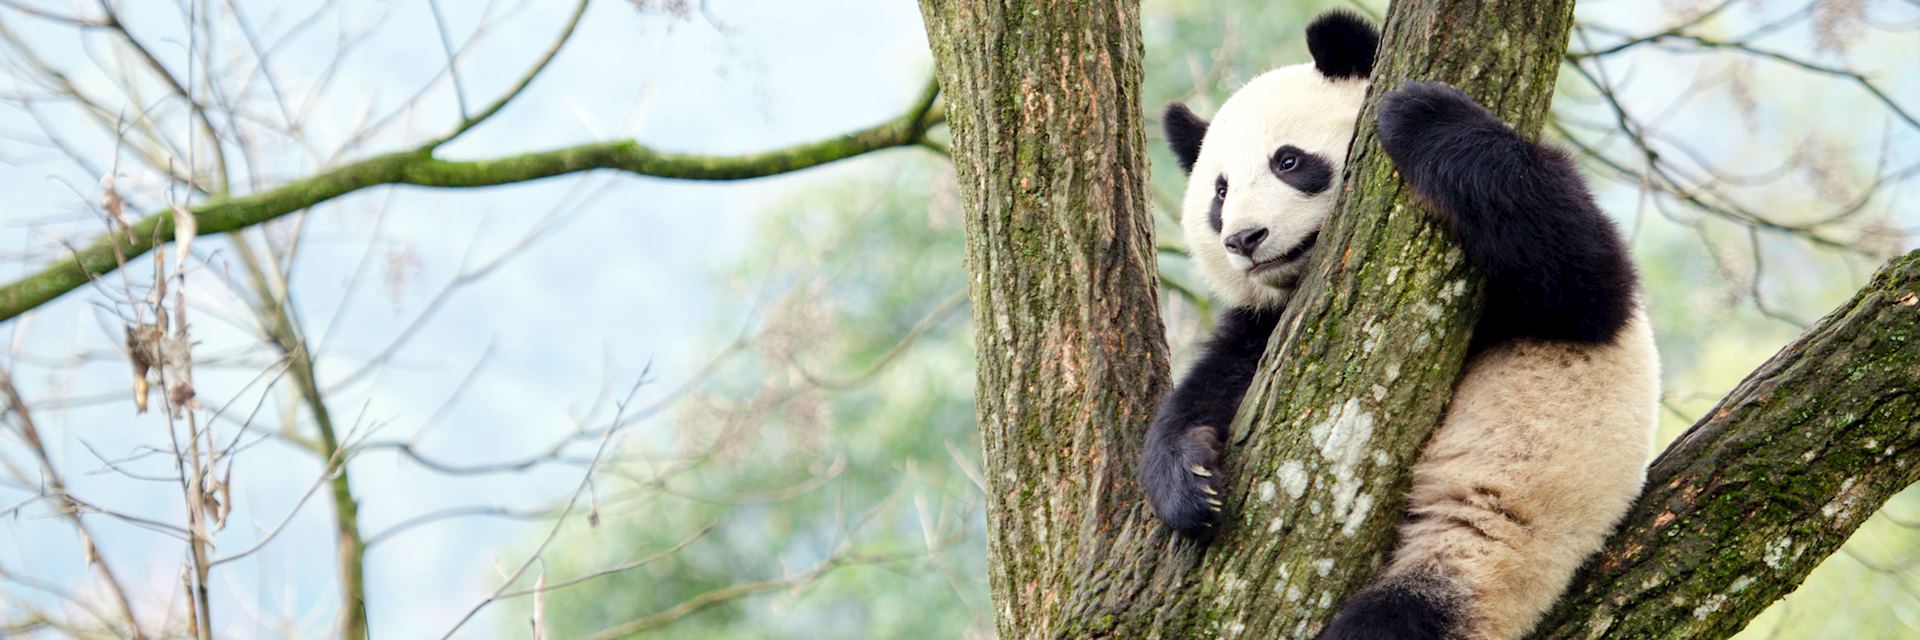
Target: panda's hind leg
{"points": [[1556, 267], [1415, 605]]}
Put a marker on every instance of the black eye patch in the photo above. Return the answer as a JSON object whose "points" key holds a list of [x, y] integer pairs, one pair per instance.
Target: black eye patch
{"points": [[1307, 172], [1219, 199]]}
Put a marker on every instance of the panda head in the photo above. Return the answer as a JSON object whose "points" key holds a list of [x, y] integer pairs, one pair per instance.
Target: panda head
{"points": [[1261, 177]]}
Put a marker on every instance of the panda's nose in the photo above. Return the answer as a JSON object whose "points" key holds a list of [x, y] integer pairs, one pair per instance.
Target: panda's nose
{"points": [[1245, 241]]}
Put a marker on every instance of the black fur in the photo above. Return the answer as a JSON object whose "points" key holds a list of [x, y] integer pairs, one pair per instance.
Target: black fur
{"points": [[1193, 421], [1556, 267], [1410, 607], [1184, 133], [1309, 173], [1342, 44]]}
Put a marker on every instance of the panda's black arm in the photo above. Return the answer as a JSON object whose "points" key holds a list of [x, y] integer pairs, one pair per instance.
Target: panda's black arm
{"points": [[1181, 461], [1210, 392], [1556, 267]]}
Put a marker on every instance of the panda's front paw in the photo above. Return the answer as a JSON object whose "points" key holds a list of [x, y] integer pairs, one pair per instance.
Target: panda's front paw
{"points": [[1182, 480], [1421, 121]]}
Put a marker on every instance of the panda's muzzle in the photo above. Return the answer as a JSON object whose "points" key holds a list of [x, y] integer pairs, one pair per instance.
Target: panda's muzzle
{"points": [[1298, 251]]}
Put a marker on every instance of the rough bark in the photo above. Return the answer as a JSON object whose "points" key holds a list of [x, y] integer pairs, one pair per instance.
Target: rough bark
{"points": [[1740, 508], [1044, 105]]}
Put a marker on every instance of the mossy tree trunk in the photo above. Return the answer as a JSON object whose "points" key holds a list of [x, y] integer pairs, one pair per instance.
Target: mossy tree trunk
{"points": [[1043, 99], [1044, 104]]}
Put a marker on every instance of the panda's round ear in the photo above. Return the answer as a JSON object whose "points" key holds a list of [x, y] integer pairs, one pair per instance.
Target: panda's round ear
{"points": [[1184, 133], [1342, 44]]}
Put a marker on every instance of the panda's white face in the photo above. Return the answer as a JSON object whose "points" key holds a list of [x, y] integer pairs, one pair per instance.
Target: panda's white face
{"points": [[1265, 179]]}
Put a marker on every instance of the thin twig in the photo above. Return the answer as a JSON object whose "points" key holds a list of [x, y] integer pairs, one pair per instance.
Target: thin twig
{"points": [[586, 480], [446, 44], [469, 122], [23, 416]]}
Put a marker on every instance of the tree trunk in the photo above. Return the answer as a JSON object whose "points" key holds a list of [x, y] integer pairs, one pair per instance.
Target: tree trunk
{"points": [[1043, 99], [1045, 110]]}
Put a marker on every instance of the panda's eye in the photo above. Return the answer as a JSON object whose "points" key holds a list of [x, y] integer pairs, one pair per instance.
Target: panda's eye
{"points": [[1220, 188], [1287, 162]]}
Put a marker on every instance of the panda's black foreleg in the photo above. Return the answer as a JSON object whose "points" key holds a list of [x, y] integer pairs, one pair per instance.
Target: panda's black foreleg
{"points": [[1180, 466], [1556, 267]]}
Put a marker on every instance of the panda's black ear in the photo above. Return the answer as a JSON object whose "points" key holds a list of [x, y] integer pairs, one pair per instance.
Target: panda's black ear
{"points": [[1184, 133], [1342, 44]]}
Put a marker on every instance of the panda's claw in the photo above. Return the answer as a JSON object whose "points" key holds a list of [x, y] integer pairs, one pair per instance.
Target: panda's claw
{"points": [[1181, 477]]}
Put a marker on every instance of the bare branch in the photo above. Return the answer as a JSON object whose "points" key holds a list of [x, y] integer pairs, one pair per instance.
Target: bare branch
{"points": [[586, 480], [468, 122], [453, 70], [66, 505]]}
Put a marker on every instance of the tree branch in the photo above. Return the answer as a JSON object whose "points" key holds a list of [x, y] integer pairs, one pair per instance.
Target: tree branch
{"points": [[1773, 480], [419, 167], [1706, 43], [276, 315], [111, 19], [468, 122], [65, 505]]}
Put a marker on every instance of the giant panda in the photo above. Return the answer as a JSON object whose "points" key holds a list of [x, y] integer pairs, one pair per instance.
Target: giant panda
{"points": [[1544, 441]]}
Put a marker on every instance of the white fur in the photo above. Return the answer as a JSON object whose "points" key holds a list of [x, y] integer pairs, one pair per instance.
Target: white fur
{"points": [[1293, 105]]}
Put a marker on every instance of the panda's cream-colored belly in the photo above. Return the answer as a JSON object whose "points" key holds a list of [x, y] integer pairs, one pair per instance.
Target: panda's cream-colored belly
{"points": [[1543, 448]]}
